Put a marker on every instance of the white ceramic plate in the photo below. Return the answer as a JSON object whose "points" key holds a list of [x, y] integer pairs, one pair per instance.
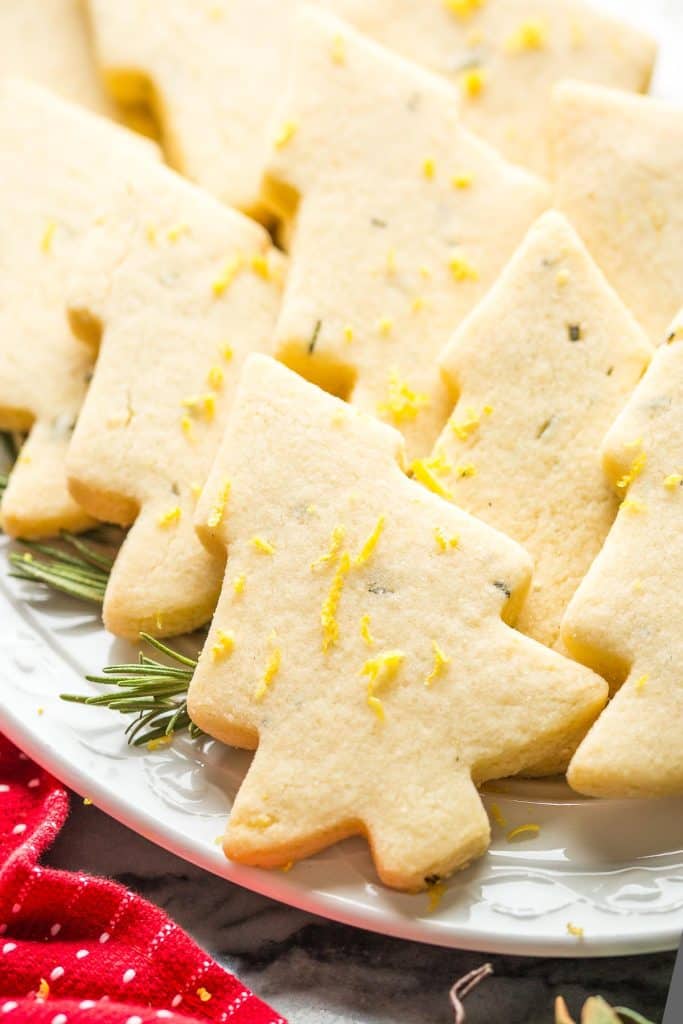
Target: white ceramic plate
{"points": [[611, 868], [614, 869]]}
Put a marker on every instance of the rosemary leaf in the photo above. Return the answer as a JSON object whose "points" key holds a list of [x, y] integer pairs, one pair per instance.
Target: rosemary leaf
{"points": [[154, 691], [77, 567]]}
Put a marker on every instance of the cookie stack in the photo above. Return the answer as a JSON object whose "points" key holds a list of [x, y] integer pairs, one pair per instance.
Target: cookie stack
{"points": [[361, 376]]}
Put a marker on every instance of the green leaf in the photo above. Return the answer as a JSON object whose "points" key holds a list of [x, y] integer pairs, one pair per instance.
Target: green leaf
{"points": [[77, 567], [155, 692]]}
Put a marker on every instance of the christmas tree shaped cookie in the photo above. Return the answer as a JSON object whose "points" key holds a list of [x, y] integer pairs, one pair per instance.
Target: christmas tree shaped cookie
{"points": [[57, 162], [47, 42], [619, 169], [404, 220], [358, 643], [541, 369], [210, 70], [504, 56], [624, 619], [181, 289]]}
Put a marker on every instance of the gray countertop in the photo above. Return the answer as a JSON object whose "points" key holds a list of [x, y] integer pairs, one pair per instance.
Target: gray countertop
{"points": [[317, 972]]}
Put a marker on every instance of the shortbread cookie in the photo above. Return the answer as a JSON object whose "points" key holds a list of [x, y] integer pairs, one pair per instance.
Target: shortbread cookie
{"points": [[625, 618], [404, 220], [619, 168], [505, 56], [541, 368], [181, 289], [358, 643], [213, 69], [47, 41], [210, 70], [57, 162]]}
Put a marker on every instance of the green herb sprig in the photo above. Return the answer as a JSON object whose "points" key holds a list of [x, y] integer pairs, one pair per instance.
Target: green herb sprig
{"points": [[153, 691], [77, 567]]}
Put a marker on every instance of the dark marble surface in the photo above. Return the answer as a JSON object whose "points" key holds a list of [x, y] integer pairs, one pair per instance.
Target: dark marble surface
{"points": [[317, 972]]}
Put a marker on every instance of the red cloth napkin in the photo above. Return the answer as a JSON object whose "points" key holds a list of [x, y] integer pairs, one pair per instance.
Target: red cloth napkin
{"points": [[81, 950]]}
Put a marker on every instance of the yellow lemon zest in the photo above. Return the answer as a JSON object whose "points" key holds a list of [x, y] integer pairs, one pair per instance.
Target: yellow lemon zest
{"points": [[441, 661], [463, 428], [461, 268], [443, 542], [531, 35], [48, 235], [473, 81], [336, 541], [403, 402], [380, 671], [209, 405], [463, 8], [673, 481], [637, 467], [429, 168], [385, 325], [498, 816], [328, 614], [260, 265], [365, 631], [171, 517], [435, 894], [371, 543], [176, 230], [462, 180], [261, 822], [239, 583], [641, 683], [162, 741], [215, 378], [523, 830], [338, 51], [262, 545], [204, 994], [633, 505], [272, 668], [217, 512], [224, 646], [424, 475], [286, 133], [227, 276]]}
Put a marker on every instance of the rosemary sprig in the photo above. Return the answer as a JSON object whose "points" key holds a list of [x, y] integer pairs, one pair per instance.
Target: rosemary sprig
{"points": [[155, 692], [77, 567]]}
